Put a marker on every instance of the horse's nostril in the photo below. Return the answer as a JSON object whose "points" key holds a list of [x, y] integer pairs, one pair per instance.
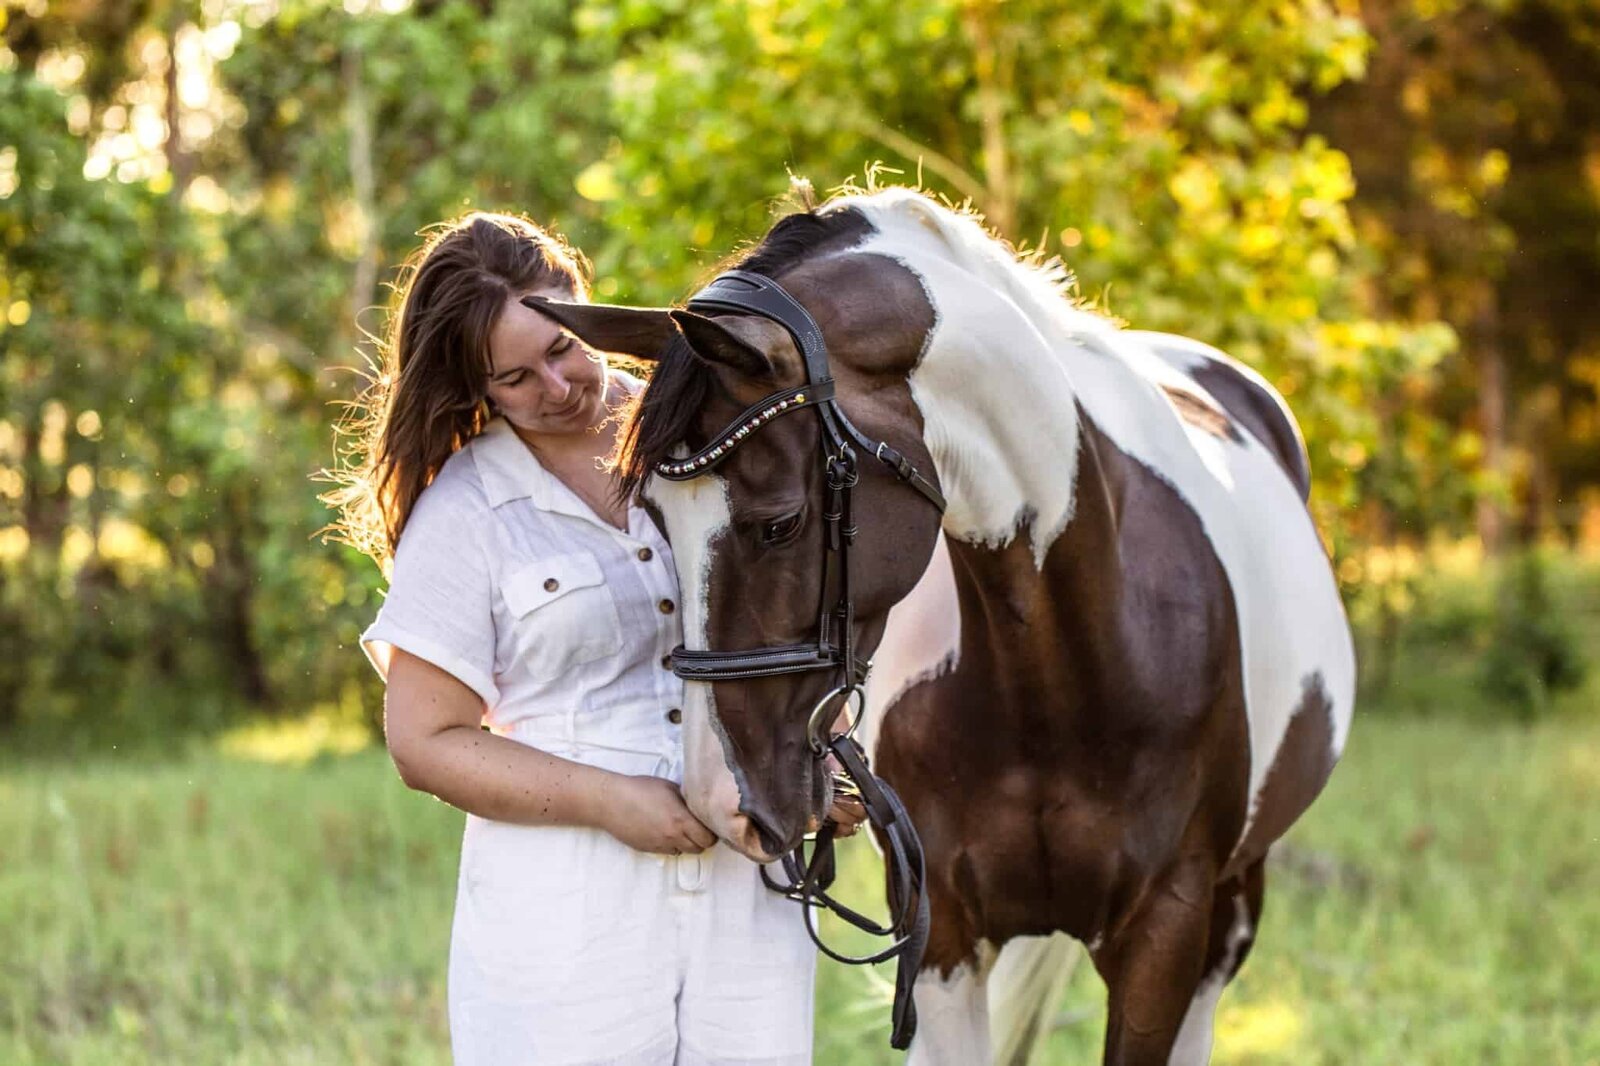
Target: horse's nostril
{"points": [[771, 842]]}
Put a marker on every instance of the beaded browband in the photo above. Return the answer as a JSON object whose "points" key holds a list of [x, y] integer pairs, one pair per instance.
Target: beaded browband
{"points": [[752, 419]]}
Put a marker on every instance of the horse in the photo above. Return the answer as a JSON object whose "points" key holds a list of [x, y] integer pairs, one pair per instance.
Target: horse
{"points": [[1106, 663]]}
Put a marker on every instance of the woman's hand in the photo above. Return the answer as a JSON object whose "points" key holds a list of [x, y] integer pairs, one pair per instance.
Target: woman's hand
{"points": [[648, 814], [847, 813]]}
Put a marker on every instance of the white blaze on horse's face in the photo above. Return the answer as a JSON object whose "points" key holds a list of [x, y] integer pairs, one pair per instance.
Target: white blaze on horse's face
{"points": [[696, 513]]}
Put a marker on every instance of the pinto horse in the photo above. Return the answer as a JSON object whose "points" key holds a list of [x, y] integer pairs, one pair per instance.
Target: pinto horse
{"points": [[1106, 675]]}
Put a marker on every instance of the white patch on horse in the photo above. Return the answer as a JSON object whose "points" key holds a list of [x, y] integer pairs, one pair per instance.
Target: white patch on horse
{"points": [[1193, 1046], [1008, 360], [953, 1014], [985, 362], [695, 512], [921, 641]]}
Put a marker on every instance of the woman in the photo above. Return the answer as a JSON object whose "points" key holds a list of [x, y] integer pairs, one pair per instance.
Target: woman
{"points": [[596, 919]]}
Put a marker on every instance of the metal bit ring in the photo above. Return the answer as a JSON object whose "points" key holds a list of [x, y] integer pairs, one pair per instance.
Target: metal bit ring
{"points": [[818, 725]]}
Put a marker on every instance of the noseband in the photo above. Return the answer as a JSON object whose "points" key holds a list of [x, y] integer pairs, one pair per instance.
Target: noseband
{"points": [[834, 649]]}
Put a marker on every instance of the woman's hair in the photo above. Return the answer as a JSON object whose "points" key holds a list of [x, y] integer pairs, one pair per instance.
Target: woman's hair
{"points": [[428, 397]]}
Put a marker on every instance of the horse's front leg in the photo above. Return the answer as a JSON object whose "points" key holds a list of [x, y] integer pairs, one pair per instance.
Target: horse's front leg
{"points": [[1153, 966]]}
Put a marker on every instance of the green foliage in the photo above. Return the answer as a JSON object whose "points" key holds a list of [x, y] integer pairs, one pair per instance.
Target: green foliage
{"points": [[179, 333], [1533, 651], [1471, 141], [1454, 635], [1159, 148], [89, 334]]}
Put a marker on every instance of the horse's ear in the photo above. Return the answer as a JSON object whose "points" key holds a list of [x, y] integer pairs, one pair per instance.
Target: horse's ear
{"points": [[720, 346], [641, 332]]}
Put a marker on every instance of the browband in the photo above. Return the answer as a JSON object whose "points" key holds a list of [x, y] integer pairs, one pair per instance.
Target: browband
{"points": [[753, 418], [743, 292]]}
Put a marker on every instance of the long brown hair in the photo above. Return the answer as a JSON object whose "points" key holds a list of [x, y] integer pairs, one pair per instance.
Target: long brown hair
{"points": [[428, 397]]}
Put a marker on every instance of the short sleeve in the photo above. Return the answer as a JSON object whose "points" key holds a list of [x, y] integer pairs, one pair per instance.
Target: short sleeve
{"points": [[440, 601]]}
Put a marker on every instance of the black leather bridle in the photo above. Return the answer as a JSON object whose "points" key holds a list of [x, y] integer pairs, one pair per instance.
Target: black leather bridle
{"points": [[811, 876]]}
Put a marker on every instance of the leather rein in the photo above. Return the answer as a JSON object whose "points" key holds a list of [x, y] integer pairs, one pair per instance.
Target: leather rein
{"points": [[810, 876]]}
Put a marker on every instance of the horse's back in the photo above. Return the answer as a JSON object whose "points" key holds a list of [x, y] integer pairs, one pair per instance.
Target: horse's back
{"points": [[1244, 394]]}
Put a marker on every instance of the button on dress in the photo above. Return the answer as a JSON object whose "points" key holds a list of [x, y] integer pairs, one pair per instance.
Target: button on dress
{"points": [[569, 948]]}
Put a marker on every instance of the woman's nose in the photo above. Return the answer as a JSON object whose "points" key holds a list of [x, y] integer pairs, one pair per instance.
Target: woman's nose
{"points": [[556, 386]]}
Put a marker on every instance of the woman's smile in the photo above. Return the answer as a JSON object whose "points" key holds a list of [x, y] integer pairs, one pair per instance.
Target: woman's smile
{"points": [[571, 408]]}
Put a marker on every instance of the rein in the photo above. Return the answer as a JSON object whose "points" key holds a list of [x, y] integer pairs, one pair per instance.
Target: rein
{"points": [[811, 876]]}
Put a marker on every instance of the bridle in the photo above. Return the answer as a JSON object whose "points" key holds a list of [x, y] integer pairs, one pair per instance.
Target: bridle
{"points": [[834, 649]]}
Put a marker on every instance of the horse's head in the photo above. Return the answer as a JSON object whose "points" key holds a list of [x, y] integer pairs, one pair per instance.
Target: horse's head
{"points": [[749, 535]]}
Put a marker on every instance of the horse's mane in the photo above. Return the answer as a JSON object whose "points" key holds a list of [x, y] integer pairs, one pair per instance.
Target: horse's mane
{"points": [[682, 383], [1042, 286]]}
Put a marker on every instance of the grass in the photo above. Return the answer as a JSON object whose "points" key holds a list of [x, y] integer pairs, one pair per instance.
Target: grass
{"points": [[1438, 905]]}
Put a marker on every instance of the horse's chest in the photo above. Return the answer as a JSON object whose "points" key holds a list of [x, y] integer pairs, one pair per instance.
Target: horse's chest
{"points": [[1062, 755]]}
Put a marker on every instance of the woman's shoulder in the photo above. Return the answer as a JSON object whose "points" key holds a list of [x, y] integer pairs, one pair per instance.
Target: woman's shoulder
{"points": [[454, 500]]}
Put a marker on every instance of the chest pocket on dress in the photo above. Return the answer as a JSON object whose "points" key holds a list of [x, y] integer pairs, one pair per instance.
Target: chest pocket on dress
{"points": [[563, 614]]}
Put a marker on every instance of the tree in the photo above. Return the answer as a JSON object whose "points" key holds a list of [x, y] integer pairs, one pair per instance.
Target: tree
{"points": [[1473, 142], [1160, 148]]}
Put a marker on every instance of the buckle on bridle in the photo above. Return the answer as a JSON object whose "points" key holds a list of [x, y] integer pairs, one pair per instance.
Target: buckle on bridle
{"points": [[842, 470]]}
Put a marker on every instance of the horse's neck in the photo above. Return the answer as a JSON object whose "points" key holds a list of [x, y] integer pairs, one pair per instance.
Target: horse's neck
{"points": [[1001, 420]]}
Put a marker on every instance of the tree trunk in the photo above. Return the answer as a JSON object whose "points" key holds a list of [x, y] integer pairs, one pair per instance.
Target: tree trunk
{"points": [[179, 162], [232, 581], [363, 187], [1492, 421], [13, 671], [999, 205], [44, 510]]}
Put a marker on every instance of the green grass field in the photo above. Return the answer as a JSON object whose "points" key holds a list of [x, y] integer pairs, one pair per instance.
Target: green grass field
{"points": [[1438, 905]]}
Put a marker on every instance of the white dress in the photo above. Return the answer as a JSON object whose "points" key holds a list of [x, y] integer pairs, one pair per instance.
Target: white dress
{"points": [[569, 947]]}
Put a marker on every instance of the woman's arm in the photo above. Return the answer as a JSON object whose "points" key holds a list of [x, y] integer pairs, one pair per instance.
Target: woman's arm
{"points": [[431, 725]]}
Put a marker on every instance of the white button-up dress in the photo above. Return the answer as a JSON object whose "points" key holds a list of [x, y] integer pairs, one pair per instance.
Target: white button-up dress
{"points": [[568, 947]]}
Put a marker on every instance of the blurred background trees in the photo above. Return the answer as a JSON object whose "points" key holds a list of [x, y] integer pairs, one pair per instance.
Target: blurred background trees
{"points": [[1391, 209]]}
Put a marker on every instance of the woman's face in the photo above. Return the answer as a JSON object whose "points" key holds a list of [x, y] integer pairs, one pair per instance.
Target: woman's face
{"points": [[541, 379]]}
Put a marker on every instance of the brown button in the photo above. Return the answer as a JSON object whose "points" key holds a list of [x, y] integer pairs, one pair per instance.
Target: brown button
{"points": [[675, 716], [666, 662], [667, 606], [551, 584], [645, 555]]}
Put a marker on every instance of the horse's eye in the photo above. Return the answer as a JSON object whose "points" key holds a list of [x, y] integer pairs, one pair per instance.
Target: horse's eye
{"points": [[780, 530]]}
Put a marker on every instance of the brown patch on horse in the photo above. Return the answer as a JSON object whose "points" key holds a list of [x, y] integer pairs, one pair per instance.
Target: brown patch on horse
{"points": [[1299, 771], [1197, 412], [1095, 720]]}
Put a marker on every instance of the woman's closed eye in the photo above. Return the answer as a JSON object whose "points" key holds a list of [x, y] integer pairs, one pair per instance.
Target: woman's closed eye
{"points": [[566, 345]]}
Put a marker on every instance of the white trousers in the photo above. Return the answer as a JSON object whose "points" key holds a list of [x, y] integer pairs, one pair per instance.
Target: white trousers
{"points": [[571, 949]]}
